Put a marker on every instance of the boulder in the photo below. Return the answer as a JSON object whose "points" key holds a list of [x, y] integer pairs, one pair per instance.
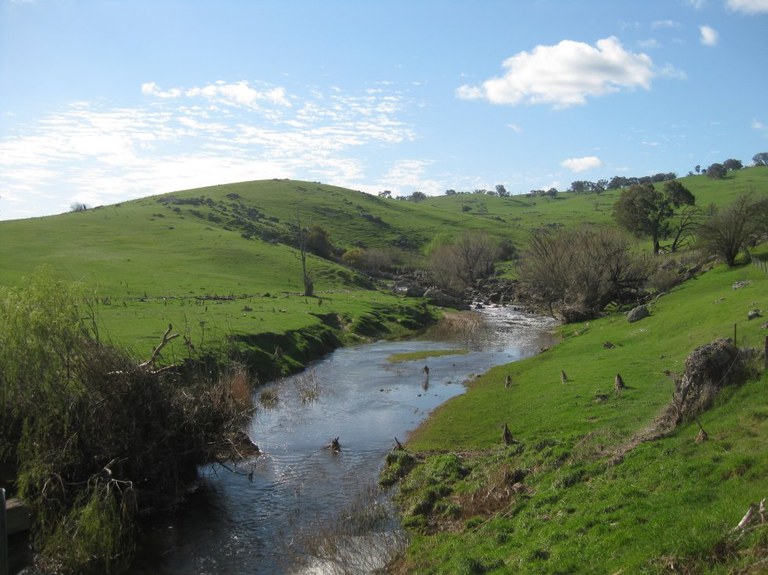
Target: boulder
{"points": [[638, 313], [707, 369]]}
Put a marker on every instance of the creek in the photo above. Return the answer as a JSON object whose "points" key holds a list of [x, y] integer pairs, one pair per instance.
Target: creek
{"points": [[271, 514]]}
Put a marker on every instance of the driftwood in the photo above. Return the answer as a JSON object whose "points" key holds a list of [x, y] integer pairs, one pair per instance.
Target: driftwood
{"points": [[398, 445]]}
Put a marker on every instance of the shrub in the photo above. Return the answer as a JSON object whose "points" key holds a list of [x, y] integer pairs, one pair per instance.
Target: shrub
{"points": [[97, 436], [575, 273]]}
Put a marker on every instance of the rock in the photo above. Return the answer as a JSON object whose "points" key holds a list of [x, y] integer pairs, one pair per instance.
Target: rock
{"points": [[740, 284], [638, 313], [442, 299], [753, 313], [707, 369]]}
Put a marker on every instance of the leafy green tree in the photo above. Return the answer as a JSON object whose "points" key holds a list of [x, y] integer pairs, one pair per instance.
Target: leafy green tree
{"points": [[501, 191], [760, 159], [417, 196], [732, 164], [645, 211], [678, 194], [716, 171]]}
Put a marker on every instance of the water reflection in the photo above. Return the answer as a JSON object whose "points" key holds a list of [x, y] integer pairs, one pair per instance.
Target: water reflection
{"points": [[267, 512]]}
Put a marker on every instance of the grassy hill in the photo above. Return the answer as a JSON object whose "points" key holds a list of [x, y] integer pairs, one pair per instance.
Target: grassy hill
{"points": [[214, 261]]}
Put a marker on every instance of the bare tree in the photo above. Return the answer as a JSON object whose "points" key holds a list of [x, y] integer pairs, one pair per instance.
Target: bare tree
{"points": [[309, 284], [472, 256], [574, 273], [735, 228]]}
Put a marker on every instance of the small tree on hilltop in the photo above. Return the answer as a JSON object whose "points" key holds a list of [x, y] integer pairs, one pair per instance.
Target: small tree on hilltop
{"points": [[716, 171], [760, 159]]}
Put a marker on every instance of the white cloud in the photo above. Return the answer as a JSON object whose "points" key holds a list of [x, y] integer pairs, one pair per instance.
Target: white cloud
{"points": [[669, 71], [100, 154], [709, 36], [748, 6], [237, 94], [565, 74], [696, 4], [582, 164]]}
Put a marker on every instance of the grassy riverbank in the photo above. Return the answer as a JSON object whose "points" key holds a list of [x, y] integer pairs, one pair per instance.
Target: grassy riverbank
{"points": [[558, 500]]}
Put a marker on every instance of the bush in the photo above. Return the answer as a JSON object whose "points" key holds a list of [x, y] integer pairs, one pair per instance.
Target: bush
{"points": [[575, 273], [98, 437]]}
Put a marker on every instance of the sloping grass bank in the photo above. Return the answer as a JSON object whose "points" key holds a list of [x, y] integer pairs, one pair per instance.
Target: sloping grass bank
{"points": [[556, 500]]}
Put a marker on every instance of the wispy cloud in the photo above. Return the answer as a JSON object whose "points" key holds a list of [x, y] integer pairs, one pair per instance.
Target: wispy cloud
{"points": [[708, 35], [660, 24], [565, 74], [748, 6], [184, 137], [582, 164]]}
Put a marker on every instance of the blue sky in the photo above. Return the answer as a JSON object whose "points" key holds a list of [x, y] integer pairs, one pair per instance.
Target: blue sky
{"points": [[105, 101]]}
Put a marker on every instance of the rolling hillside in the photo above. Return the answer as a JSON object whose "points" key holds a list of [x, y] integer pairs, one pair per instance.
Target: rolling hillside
{"points": [[217, 261]]}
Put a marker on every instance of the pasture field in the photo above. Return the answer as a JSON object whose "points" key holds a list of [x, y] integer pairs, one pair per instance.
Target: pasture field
{"points": [[559, 500]]}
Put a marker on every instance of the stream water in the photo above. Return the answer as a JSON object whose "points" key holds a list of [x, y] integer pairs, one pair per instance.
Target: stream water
{"points": [[268, 515]]}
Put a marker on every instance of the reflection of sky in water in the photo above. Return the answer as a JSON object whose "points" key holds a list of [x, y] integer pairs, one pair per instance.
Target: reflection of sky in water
{"points": [[237, 525]]}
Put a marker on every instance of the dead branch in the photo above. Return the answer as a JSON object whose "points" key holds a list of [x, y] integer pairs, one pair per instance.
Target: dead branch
{"points": [[167, 336]]}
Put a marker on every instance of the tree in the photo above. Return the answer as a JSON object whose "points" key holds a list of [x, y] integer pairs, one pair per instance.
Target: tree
{"points": [[78, 207], [582, 186], [678, 194], [306, 276], [735, 228], [683, 226], [417, 196], [385, 194], [645, 211], [716, 171], [732, 164], [760, 159], [459, 264], [318, 241], [502, 191], [450, 192], [575, 273]]}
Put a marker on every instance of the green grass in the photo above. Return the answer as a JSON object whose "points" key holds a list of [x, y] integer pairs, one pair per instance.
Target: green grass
{"points": [[670, 500], [414, 355], [160, 259]]}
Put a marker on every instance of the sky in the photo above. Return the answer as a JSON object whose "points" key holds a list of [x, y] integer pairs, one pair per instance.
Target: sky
{"points": [[103, 101]]}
